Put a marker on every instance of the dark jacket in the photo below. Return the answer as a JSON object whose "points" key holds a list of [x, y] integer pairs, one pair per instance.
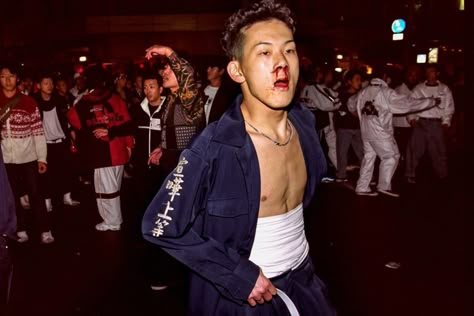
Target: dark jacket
{"points": [[60, 104], [342, 117], [147, 136], [101, 109], [7, 203], [206, 212]]}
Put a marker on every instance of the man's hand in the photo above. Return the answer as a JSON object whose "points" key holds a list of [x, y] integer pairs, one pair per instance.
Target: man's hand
{"points": [[437, 101], [42, 167], [158, 50], [101, 132], [155, 156], [262, 291]]}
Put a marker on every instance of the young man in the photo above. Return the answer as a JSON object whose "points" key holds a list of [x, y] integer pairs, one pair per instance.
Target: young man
{"points": [[347, 126], [24, 152], [53, 108], [146, 118], [232, 208], [430, 127], [183, 110], [375, 106], [104, 142]]}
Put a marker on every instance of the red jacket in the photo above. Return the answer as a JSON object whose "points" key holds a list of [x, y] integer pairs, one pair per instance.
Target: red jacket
{"points": [[102, 109]]}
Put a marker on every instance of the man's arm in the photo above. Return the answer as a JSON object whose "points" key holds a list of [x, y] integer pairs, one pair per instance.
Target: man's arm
{"points": [[447, 106], [403, 104], [39, 138], [169, 222]]}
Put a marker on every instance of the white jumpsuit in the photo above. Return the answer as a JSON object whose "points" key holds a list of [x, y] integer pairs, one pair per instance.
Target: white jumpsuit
{"points": [[377, 130], [324, 99]]}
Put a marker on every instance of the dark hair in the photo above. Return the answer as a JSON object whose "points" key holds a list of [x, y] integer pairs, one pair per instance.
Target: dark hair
{"points": [[12, 67], [236, 24], [150, 75], [98, 77], [44, 75], [379, 71], [351, 73]]}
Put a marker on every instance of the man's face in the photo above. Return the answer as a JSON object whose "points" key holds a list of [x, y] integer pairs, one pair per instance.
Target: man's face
{"points": [[214, 72], [61, 86], [121, 80], [80, 83], [28, 84], [412, 76], [269, 64], [169, 78], [152, 90], [356, 82], [46, 86], [139, 82], [7, 80], [431, 74]]}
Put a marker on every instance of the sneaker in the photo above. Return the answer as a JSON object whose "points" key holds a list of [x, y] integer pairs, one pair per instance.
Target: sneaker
{"points": [[47, 237], [25, 202], [22, 236], [49, 205], [341, 180], [389, 193], [393, 265], [327, 180], [367, 193], [411, 180], [158, 287], [102, 227], [67, 200]]}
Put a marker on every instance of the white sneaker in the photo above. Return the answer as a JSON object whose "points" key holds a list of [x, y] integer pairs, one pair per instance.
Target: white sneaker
{"points": [[22, 236], [47, 237], [25, 202], [393, 265], [49, 205], [156, 287], [67, 200], [367, 193], [105, 227], [389, 193]]}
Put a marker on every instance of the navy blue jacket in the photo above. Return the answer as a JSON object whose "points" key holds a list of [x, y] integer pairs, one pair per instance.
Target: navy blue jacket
{"points": [[205, 214], [7, 203]]}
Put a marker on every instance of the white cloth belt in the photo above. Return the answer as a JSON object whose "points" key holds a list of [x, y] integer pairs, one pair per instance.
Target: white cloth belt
{"points": [[280, 243], [288, 302]]}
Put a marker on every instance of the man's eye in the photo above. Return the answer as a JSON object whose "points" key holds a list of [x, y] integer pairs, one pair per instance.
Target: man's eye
{"points": [[265, 53], [290, 51]]}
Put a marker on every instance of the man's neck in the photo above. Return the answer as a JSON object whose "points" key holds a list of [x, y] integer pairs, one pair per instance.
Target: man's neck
{"points": [[155, 103], [45, 96], [263, 116], [216, 83], [9, 93], [432, 83]]}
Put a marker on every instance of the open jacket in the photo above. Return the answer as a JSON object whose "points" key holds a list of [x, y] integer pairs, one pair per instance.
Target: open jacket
{"points": [[206, 212]]}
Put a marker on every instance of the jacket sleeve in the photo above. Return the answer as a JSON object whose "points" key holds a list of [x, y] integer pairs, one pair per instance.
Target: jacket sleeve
{"points": [[188, 91], [126, 127], [73, 118], [403, 104], [447, 106], [170, 222], [38, 135]]}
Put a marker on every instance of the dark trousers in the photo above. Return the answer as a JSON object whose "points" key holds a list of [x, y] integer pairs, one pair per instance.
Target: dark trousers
{"points": [[344, 140], [301, 285], [5, 270], [58, 178], [26, 176]]}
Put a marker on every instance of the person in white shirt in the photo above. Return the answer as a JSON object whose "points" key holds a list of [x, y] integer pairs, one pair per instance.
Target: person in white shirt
{"points": [[375, 106], [402, 128], [430, 127], [320, 97], [214, 75]]}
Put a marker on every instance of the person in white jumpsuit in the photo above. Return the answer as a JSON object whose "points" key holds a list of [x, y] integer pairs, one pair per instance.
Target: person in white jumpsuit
{"points": [[320, 96], [375, 106]]}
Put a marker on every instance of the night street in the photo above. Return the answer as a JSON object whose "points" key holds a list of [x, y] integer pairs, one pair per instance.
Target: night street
{"points": [[86, 272]]}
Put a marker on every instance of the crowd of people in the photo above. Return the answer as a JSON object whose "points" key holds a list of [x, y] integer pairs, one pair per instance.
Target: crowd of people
{"points": [[151, 126]]}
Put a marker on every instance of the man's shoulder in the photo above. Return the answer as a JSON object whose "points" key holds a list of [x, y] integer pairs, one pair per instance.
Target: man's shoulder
{"points": [[27, 103]]}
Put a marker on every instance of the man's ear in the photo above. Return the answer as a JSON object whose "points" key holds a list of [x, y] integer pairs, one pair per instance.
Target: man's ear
{"points": [[233, 69], [161, 90]]}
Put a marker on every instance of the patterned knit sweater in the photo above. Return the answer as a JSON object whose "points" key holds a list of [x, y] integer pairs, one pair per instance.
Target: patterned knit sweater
{"points": [[22, 135]]}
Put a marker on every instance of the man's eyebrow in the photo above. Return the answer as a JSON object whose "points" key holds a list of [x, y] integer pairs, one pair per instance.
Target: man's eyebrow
{"points": [[270, 43]]}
